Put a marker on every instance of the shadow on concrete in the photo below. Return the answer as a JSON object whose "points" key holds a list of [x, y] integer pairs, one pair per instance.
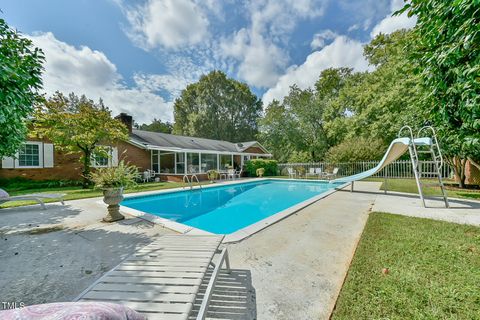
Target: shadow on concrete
{"points": [[233, 296], [454, 203], [58, 265]]}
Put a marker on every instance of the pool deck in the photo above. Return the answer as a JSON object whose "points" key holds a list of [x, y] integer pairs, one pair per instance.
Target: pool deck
{"points": [[294, 269]]}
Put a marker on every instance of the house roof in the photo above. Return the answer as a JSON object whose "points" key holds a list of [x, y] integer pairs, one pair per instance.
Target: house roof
{"points": [[150, 139]]}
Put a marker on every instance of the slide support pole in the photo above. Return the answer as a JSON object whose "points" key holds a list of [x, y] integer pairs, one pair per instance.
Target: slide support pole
{"points": [[351, 189]]}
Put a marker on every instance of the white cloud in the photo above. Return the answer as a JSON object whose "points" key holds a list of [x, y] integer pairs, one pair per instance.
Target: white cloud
{"points": [[257, 48], [391, 23], [319, 39], [167, 23], [86, 71], [342, 52]]}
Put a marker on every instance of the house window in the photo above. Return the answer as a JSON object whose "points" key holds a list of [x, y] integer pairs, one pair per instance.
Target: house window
{"points": [[29, 155], [99, 160]]}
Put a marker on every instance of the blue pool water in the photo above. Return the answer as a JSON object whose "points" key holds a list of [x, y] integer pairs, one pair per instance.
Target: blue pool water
{"points": [[226, 209]]}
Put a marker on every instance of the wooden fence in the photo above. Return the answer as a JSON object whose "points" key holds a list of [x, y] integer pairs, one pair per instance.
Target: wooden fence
{"points": [[397, 169]]}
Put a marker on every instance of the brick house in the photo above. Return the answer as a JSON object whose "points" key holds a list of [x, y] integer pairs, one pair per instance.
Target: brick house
{"points": [[169, 156]]}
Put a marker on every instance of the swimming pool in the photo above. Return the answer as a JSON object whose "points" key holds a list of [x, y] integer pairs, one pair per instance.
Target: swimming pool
{"points": [[228, 208]]}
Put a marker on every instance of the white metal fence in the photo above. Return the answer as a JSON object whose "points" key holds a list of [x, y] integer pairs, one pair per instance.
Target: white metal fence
{"points": [[397, 169]]}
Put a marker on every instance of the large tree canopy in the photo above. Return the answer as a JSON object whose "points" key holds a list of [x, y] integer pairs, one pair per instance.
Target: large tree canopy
{"points": [[156, 125], [217, 107], [20, 79], [447, 49], [78, 125]]}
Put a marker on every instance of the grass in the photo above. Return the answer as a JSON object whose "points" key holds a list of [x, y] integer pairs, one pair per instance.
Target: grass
{"points": [[410, 186], [433, 271], [76, 192]]}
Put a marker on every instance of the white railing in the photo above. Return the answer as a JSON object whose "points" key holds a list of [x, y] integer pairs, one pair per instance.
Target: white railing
{"points": [[397, 169]]}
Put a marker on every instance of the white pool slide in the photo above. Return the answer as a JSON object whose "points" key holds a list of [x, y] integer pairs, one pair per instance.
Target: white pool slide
{"points": [[396, 149]]}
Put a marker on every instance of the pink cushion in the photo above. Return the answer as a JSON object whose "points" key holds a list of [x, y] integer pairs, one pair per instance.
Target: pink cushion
{"points": [[73, 311]]}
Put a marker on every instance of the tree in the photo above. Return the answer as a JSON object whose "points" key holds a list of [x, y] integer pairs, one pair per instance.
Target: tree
{"points": [[447, 52], [358, 149], [78, 125], [380, 102], [298, 125], [217, 107], [156, 125], [20, 80]]}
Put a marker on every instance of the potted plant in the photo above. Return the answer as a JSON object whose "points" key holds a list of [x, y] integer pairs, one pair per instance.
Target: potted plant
{"points": [[112, 181], [260, 172], [212, 175]]}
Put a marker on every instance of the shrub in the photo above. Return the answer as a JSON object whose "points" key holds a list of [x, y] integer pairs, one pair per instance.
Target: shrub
{"points": [[358, 149], [115, 177], [270, 167], [20, 183]]}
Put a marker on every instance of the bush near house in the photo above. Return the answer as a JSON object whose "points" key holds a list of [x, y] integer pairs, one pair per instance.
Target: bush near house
{"points": [[270, 166]]}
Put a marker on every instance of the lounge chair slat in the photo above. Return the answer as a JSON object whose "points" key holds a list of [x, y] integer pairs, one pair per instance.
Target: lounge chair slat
{"points": [[164, 253], [142, 267], [140, 296], [127, 287], [166, 316], [152, 306], [150, 280], [157, 274], [170, 262], [167, 255]]}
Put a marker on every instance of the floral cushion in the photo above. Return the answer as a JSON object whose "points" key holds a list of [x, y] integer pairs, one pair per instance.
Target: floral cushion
{"points": [[3, 194], [72, 311]]}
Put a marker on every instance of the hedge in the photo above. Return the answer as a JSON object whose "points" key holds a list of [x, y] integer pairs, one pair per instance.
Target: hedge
{"points": [[270, 166]]}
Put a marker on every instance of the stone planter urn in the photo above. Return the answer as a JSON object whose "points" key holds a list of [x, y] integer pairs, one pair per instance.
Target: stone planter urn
{"points": [[113, 197]]}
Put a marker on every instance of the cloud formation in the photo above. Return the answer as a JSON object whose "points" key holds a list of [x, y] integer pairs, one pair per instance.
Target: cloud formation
{"points": [[342, 52], [167, 23], [86, 71]]}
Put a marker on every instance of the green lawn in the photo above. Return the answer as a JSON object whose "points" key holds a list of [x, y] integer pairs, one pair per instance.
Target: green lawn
{"points": [[434, 271], [410, 186], [73, 193]]}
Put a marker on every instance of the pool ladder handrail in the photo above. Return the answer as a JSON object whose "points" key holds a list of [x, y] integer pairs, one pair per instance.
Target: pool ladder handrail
{"points": [[190, 181]]}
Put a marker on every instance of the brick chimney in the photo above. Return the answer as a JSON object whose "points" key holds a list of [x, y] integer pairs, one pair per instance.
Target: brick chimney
{"points": [[126, 119]]}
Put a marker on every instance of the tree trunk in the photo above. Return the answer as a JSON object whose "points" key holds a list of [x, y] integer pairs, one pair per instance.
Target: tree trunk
{"points": [[86, 168], [473, 162], [459, 168]]}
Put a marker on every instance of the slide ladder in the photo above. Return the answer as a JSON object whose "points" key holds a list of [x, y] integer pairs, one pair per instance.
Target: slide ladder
{"points": [[430, 166]]}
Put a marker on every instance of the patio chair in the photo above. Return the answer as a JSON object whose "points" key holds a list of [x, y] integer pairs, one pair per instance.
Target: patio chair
{"points": [[231, 174], [238, 173], [331, 175], [163, 279], [39, 197], [291, 173], [311, 173], [319, 172]]}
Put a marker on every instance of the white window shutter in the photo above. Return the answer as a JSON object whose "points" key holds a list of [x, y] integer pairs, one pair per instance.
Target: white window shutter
{"points": [[48, 155], [114, 157], [8, 163]]}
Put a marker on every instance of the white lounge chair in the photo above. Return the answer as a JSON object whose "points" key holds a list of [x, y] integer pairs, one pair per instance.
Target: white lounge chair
{"points": [[163, 279], [39, 197], [332, 175], [311, 173], [319, 172], [291, 173]]}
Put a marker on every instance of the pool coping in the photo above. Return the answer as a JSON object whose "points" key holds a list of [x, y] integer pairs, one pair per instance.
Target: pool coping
{"points": [[237, 235]]}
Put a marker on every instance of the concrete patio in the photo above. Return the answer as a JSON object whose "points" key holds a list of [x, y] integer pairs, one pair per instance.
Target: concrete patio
{"points": [[293, 269]]}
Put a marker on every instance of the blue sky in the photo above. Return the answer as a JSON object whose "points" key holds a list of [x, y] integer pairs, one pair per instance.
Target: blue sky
{"points": [[139, 55]]}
